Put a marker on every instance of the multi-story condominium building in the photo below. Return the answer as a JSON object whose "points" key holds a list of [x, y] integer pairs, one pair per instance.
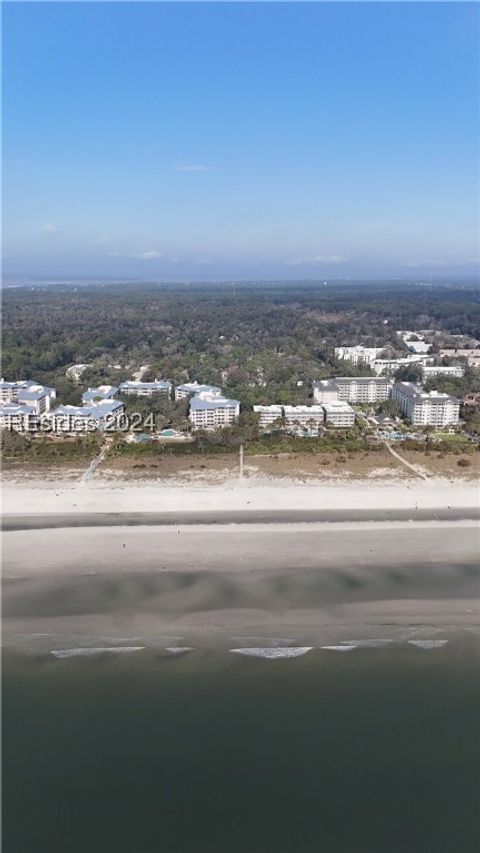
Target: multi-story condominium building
{"points": [[358, 354], [19, 418], [75, 419], [422, 408], [310, 417], [98, 395], [353, 389], [213, 413], [268, 415], [338, 414], [188, 388], [453, 370], [325, 391], [389, 366], [146, 389], [363, 389], [28, 393]]}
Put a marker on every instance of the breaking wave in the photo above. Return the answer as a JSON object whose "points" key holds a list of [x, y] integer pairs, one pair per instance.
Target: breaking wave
{"points": [[274, 652], [428, 644], [343, 648], [96, 650]]}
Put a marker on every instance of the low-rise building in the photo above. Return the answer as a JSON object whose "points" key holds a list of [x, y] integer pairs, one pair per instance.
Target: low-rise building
{"points": [[338, 414], [189, 388], [303, 417], [213, 413], [146, 389], [99, 395], [268, 415], [435, 370], [17, 417], [77, 419], [28, 393], [422, 408], [389, 366]]}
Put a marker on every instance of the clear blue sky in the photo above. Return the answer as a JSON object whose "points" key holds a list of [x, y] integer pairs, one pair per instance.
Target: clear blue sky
{"points": [[174, 141]]}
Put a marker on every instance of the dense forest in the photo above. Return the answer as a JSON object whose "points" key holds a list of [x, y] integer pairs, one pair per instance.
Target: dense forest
{"points": [[262, 343]]}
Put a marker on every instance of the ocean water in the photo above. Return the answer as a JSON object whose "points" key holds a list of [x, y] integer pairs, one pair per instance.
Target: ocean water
{"points": [[376, 751]]}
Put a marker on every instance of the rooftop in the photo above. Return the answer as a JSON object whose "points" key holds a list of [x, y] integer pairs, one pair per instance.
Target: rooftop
{"points": [[198, 403]]}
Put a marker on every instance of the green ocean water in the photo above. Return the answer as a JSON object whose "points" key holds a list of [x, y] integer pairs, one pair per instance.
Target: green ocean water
{"points": [[377, 751]]}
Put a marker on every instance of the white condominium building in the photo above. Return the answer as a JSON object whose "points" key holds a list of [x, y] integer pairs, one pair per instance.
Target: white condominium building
{"points": [[389, 366], [454, 370], [352, 389], [338, 414], [28, 393], [98, 395], [363, 389], [268, 415], [213, 413], [325, 391], [422, 408], [146, 389], [310, 417], [188, 388], [18, 417], [76, 419], [358, 354]]}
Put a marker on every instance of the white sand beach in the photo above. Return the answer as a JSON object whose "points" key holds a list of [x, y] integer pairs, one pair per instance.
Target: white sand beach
{"points": [[236, 494]]}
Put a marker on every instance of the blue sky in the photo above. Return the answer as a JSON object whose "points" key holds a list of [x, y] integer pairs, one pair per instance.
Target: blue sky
{"points": [[206, 141]]}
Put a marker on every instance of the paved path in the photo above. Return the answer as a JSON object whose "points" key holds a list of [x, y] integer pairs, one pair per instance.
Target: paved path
{"points": [[413, 468]]}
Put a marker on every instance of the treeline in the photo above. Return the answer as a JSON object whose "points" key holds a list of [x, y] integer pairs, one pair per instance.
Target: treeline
{"points": [[262, 343]]}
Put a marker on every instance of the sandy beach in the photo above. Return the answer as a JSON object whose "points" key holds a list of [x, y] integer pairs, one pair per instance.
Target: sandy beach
{"points": [[262, 493], [202, 565]]}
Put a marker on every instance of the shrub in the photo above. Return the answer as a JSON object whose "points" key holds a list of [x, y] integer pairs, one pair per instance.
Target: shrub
{"points": [[464, 463]]}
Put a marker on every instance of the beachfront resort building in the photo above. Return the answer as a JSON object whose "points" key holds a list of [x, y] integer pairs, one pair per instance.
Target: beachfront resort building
{"points": [[338, 414], [304, 417], [146, 389], [71, 420], [268, 415], [422, 408], [194, 388], [352, 389], [212, 412]]}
